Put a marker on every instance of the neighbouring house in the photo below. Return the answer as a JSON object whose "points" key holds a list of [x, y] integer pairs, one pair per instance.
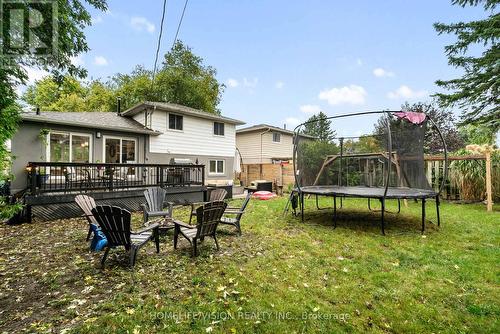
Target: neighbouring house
{"points": [[266, 152], [148, 133], [264, 144]]}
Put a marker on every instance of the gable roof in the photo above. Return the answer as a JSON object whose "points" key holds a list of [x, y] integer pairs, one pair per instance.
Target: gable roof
{"points": [[179, 109], [95, 119], [266, 127]]}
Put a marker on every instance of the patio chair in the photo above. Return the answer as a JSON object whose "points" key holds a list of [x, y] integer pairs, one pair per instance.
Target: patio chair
{"points": [[86, 204], [236, 214], [155, 198], [207, 217], [218, 194], [115, 224]]}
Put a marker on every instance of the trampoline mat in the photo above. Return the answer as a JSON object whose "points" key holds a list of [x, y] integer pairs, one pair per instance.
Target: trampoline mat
{"points": [[367, 192]]}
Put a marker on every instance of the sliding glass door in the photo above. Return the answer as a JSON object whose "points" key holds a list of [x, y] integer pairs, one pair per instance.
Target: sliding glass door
{"points": [[120, 150]]}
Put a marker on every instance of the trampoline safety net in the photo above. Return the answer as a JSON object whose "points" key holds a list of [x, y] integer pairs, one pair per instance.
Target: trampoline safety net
{"points": [[385, 157]]}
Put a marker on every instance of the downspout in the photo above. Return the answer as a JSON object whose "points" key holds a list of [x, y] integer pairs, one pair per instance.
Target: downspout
{"points": [[146, 125]]}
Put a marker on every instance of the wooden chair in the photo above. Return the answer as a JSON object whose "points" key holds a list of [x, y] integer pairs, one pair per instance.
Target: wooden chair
{"points": [[207, 217], [86, 204], [155, 198], [216, 195], [115, 224], [236, 214]]}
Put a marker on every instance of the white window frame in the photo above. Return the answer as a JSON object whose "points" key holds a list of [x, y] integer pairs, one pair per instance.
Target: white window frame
{"points": [[223, 126], [279, 137], [216, 163], [168, 122], [119, 153], [82, 134]]}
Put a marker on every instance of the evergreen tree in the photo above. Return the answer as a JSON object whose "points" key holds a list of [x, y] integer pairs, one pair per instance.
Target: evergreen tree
{"points": [[319, 127], [477, 91]]}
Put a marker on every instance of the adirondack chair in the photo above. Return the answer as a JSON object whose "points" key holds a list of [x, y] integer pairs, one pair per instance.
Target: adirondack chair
{"points": [[115, 224], [155, 198], [207, 217], [236, 214], [87, 203], [215, 195]]}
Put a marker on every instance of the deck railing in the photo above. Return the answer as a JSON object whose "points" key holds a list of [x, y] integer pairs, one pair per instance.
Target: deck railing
{"points": [[45, 177]]}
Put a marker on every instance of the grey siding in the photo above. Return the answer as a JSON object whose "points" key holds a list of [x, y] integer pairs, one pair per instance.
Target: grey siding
{"points": [[27, 146]]}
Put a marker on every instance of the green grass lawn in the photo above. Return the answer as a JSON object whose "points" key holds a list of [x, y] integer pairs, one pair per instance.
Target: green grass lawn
{"points": [[279, 276]]}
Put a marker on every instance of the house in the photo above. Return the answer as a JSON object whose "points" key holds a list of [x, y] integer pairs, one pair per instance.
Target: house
{"points": [[264, 144], [148, 133]]}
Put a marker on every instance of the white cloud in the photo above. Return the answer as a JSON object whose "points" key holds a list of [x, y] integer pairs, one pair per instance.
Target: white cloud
{"points": [[232, 83], [141, 23], [35, 74], [380, 72], [100, 61], [292, 122], [405, 92], [279, 84], [359, 62], [77, 60], [250, 84], [310, 109], [351, 94]]}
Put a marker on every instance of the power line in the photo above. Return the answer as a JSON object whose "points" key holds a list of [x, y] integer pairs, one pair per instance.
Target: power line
{"points": [[159, 40], [180, 23]]}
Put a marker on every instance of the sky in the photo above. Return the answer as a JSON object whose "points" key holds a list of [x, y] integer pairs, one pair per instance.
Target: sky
{"points": [[283, 61]]}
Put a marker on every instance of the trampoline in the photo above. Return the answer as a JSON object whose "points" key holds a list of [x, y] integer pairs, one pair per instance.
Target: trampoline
{"points": [[386, 164]]}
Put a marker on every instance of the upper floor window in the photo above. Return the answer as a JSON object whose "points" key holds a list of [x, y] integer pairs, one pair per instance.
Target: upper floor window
{"points": [[175, 122], [276, 137], [218, 129]]}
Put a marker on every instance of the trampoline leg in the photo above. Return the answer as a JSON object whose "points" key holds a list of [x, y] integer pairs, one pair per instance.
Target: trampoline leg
{"points": [[399, 205], [437, 210], [341, 202], [382, 210], [302, 206], [334, 212], [369, 207], [423, 215]]}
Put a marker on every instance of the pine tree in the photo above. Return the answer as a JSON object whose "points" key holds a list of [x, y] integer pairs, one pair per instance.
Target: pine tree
{"points": [[319, 127], [477, 91]]}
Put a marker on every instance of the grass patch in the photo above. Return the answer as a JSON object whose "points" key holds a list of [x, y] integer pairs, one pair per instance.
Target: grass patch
{"points": [[279, 276]]}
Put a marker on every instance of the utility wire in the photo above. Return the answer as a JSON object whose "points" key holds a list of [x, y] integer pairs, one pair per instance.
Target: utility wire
{"points": [[159, 41], [180, 23]]}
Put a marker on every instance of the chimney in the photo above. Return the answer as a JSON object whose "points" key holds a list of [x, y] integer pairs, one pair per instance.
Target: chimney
{"points": [[37, 110], [284, 126], [119, 105]]}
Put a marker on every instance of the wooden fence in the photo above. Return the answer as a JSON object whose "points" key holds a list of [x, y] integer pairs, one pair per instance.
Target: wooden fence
{"points": [[435, 173], [280, 174]]}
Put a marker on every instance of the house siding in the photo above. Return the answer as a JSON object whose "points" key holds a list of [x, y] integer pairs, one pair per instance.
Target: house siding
{"points": [[197, 136], [258, 146], [195, 142]]}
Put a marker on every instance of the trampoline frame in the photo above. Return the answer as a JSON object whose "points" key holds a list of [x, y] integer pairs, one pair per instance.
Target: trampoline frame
{"points": [[301, 192]]}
